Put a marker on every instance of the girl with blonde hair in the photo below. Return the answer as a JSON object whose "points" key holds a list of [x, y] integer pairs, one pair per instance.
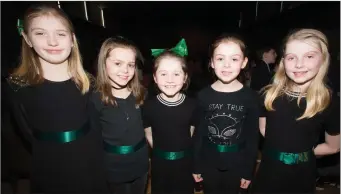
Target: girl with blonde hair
{"points": [[49, 95], [296, 107]]}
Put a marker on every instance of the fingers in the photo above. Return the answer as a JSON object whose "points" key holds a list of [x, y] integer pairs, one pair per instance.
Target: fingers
{"points": [[244, 184], [197, 177]]}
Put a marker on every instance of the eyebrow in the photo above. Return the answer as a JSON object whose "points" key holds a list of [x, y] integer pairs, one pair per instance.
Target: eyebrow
{"points": [[120, 60], [231, 55], [44, 29], [315, 52]]}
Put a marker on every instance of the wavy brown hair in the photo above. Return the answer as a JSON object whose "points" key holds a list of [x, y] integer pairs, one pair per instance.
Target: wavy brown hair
{"points": [[318, 94], [30, 68], [103, 82]]}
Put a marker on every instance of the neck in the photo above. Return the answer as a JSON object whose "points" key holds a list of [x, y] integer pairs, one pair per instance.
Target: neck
{"points": [[55, 72], [300, 88], [121, 92], [174, 98], [232, 86]]}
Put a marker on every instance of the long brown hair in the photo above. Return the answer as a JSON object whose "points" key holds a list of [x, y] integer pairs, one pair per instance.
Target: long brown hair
{"points": [[103, 82], [318, 94], [30, 68]]}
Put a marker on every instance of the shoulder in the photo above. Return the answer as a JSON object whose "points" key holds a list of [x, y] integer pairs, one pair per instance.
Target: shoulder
{"points": [[191, 102], [16, 82], [92, 80], [204, 92], [149, 103]]}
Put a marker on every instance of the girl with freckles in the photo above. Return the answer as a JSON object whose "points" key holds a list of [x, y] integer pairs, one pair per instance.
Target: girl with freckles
{"points": [[297, 106]]}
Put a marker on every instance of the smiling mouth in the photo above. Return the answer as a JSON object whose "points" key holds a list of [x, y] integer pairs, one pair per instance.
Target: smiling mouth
{"points": [[226, 72], [300, 74], [53, 51], [170, 86], [123, 77]]}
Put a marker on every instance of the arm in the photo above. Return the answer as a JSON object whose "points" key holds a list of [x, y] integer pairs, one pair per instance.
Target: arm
{"points": [[17, 113], [192, 130], [262, 125], [198, 135], [330, 146], [332, 127], [149, 136], [251, 127]]}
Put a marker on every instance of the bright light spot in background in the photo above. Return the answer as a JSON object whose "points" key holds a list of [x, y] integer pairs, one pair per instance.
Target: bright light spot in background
{"points": [[102, 16], [86, 11]]}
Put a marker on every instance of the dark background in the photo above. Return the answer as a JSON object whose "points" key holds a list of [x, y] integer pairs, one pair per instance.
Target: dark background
{"points": [[162, 24]]}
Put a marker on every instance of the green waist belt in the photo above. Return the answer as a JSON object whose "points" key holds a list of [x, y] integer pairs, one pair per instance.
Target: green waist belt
{"points": [[226, 148], [290, 158], [171, 155], [62, 137], [124, 149]]}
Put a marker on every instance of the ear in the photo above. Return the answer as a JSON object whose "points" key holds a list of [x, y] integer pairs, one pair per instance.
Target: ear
{"points": [[27, 40], [73, 39], [212, 64], [155, 80], [245, 62], [185, 78]]}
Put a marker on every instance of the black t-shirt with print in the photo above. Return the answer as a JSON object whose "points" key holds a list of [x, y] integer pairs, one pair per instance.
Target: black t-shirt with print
{"points": [[227, 118]]}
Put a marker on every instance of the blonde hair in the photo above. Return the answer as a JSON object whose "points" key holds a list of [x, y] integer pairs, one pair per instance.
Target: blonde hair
{"points": [[30, 68], [103, 82], [318, 95]]}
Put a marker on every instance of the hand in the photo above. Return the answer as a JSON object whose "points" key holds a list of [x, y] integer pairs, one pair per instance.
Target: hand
{"points": [[244, 184], [197, 178]]}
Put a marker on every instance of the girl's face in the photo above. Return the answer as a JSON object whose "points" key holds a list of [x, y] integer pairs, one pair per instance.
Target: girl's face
{"points": [[50, 38], [228, 60], [170, 76], [302, 62], [120, 66]]}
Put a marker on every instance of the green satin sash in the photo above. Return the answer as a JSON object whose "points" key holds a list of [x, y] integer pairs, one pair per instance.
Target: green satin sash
{"points": [[63, 136], [226, 148], [170, 155], [290, 158], [124, 149]]}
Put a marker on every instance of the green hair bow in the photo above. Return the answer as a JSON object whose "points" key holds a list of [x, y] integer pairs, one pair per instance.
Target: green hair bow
{"points": [[180, 49], [20, 26]]}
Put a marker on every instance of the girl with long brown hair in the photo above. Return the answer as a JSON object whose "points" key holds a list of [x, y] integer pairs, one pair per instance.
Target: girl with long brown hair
{"points": [[117, 102]]}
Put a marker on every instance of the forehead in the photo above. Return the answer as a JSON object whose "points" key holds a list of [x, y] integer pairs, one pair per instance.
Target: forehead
{"points": [[48, 22], [169, 64], [228, 48], [123, 54], [301, 47]]}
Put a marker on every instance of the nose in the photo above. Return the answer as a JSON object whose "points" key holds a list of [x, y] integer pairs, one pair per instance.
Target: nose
{"points": [[169, 78], [299, 63], [226, 64], [52, 40], [125, 68]]}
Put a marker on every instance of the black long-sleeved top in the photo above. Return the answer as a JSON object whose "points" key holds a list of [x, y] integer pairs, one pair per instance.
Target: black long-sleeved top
{"points": [[227, 119]]}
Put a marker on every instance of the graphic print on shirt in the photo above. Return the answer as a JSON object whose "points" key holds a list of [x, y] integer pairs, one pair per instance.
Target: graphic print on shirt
{"points": [[224, 126]]}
